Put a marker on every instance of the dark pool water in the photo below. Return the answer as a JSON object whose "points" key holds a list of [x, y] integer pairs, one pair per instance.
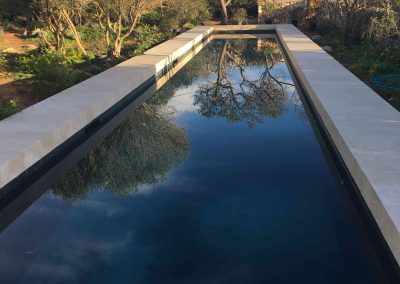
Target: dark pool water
{"points": [[218, 178]]}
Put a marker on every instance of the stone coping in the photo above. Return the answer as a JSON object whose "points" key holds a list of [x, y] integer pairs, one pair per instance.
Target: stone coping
{"points": [[364, 128]]}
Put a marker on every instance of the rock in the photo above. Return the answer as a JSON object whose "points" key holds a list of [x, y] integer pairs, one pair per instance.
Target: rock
{"points": [[9, 50], [327, 48], [36, 32], [316, 37]]}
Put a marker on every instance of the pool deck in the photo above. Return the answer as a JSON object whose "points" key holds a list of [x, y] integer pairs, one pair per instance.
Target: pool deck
{"points": [[364, 128]]}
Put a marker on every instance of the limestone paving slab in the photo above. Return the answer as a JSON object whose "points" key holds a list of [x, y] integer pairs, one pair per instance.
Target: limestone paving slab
{"points": [[181, 44]]}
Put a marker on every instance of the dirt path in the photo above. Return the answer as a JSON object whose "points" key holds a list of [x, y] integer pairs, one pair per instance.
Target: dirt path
{"points": [[10, 88], [16, 42]]}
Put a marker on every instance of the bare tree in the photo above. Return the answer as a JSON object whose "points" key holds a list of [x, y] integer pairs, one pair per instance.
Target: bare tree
{"points": [[119, 18], [71, 10], [48, 15], [352, 9], [58, 16]]}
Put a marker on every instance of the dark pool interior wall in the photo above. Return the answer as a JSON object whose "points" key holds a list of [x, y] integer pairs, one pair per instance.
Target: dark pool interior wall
{"points": [[217, 178]]}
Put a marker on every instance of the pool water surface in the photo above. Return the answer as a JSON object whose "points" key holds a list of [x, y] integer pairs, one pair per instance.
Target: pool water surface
{"points": [[217, 178]]}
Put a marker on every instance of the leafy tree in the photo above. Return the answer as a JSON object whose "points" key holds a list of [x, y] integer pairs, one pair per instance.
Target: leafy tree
{"points": [[49, 16], [58, 16], [71, 10], [177, 14], [119, 18]]}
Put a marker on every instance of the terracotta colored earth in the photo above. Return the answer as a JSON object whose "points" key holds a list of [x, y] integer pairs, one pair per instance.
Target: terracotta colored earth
{"points": [[11, 88], [16, 42]]}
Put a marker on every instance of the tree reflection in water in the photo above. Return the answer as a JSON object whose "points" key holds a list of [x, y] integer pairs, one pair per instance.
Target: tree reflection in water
{"points": [[140, 152], [149, 144], [236, 96]]}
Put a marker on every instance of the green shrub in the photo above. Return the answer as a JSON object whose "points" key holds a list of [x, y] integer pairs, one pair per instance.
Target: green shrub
{"points": [[147, 37], [152, 18], [384, 28], [3, 61], [44, 66], [239, 16], [8, 108], [269, 9], [90, 32], [51, 72], [93, 38], [375, 20], [180, 13], [201, 16], [74, 56], [250, 6]]}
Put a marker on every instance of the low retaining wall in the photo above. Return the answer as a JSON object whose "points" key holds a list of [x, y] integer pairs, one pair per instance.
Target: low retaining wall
{"points": [[363, 127]]}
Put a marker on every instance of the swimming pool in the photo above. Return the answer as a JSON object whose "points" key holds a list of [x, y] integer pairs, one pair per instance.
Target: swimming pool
{"points": [[218, 178]]}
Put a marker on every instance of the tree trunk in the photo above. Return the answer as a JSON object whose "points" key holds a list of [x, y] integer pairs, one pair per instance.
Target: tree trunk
{"points": [[224, 11], [78, 42], [221, 63], [74, 31], [43, 36], [108, 38], [59, 39], [117, 48], [309, 8]]}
